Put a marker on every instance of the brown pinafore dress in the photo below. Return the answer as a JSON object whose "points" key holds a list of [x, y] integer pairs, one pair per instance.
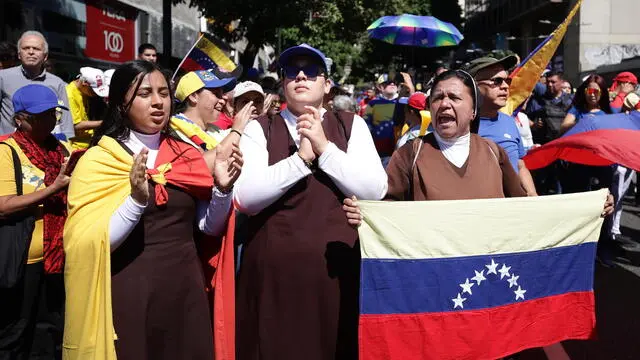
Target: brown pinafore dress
{"points": [[298, 283], [160, 307]]}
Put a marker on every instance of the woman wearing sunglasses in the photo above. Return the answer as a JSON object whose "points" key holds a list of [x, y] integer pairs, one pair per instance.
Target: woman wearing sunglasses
{"points": [[591, 99], [297, 285]]}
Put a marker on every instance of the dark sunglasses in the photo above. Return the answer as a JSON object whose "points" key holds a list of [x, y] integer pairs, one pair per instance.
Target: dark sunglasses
{"points": [[310, 70], [497, 81]]}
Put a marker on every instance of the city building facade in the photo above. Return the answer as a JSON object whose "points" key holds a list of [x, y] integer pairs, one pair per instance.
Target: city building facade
{"points": [[603, 37]]}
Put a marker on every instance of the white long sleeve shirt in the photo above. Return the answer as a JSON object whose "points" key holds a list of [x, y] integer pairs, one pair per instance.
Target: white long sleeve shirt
{"points": [[358, 171], [210, 217]]}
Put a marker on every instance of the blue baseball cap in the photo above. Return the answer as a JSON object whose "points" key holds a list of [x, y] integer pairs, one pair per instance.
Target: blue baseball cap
{"points": [[196, 80], [35, 99], [301, 50]]}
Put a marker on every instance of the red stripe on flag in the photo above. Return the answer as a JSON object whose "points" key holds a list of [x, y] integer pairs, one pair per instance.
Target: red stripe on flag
{"points": [[478, 334], [190, 65], [595, 148]]}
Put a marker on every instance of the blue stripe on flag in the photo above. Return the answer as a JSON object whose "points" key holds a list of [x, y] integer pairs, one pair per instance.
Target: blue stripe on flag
{"points": [[202, 59], [391, 286], [543, 43]]}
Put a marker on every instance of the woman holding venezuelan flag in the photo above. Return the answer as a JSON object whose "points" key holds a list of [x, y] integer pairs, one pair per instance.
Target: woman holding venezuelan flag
{"points": [[134, 279]]}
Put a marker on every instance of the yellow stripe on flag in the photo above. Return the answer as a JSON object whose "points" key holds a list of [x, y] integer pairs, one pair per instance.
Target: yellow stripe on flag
{"points": [[217, 55], [524, 79]]}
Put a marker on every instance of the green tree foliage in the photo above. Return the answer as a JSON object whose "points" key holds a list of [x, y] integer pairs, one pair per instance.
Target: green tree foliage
{"points": [[337, 27]]}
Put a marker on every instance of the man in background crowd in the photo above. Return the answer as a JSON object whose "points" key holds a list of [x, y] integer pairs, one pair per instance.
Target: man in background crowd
{"points": [[33, 51], [370, 94], [148, 52], [81, 92], [492, 76]]}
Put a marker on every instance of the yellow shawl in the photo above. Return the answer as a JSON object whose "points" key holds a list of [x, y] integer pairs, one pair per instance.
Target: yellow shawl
{"points": [[100, 184]]}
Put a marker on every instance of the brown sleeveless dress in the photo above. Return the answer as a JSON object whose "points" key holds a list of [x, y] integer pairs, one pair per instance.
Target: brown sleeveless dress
{"points": [[160, 307], [299, 277]]}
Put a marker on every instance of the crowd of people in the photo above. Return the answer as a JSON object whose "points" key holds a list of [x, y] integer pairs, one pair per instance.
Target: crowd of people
{"points": [[131, 180]]}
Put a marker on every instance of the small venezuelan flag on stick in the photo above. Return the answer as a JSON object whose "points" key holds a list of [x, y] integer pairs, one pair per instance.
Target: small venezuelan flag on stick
{"points": [[205, 55]]}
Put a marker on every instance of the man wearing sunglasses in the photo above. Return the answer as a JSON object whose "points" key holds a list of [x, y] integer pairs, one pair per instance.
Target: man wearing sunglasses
{"points": [[492, 76], [297, 287]]}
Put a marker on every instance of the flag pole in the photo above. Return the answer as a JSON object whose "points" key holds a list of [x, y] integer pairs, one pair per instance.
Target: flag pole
{"points": [[185, 57]]}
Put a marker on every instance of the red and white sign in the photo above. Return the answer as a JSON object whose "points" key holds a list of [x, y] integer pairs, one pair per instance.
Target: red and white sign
{"points": [[110, 32]]}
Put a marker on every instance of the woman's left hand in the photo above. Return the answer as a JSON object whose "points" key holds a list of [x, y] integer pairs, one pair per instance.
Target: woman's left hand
{"points": [[227, 165], [608, 206]]}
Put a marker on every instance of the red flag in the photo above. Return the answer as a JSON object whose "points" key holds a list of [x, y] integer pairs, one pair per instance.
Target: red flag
{"points": [[595, 148]]}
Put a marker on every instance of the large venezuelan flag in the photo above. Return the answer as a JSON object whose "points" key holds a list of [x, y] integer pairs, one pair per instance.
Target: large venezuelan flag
{"points": [[205, 55], [528, 72], [477, 279]]}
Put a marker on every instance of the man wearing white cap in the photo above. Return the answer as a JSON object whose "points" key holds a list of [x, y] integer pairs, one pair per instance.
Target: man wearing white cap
{"points": [[90, 82], [246, 92]]}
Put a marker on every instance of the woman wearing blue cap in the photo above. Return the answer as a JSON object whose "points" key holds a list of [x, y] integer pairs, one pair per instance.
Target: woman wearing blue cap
{"points": [[298, 279], [33, 183]]}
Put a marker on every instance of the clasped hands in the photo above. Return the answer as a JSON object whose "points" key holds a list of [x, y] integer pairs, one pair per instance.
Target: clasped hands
{"points": [[313, 141], [224, 162]]}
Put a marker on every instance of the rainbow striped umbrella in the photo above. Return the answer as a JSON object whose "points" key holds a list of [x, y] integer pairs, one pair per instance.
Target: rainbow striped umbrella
{"points": [[413, 30]]}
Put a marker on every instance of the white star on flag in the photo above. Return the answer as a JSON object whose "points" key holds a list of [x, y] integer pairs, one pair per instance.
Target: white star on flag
{"points": [[519, 293], [504, 271], [458, 301], [466, 287], [492, 267], [513, 280], [479, 277]]}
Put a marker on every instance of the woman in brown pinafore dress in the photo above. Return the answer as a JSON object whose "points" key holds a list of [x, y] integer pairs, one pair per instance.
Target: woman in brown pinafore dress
{"points": [[160, 307], [299, 278], [156, 202]]}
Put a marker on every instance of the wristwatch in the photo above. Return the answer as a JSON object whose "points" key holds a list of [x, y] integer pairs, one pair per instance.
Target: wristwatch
{"points": [[307, 163]]}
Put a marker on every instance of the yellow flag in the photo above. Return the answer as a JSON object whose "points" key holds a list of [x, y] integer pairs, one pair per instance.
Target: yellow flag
{"points": [[525, 76]]}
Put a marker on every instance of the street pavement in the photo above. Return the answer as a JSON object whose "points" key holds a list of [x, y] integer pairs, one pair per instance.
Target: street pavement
{"points": [[617, 293]]}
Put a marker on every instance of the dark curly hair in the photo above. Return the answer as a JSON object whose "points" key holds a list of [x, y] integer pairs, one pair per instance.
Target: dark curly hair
{"points": [[116, 123]]}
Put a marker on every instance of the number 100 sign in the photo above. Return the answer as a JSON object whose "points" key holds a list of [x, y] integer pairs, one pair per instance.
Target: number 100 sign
{"points": [[110, 37]]}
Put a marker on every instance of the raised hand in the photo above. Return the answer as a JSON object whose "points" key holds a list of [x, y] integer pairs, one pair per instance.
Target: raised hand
{"points": [[269, 101], [138, 178], [242, 118], [62, 180], [227, 165], [310, 127]]}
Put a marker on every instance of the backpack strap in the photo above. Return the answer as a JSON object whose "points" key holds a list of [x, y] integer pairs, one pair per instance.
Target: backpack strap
{"points": [[17, 168], [417, 146], [494, 151]]}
